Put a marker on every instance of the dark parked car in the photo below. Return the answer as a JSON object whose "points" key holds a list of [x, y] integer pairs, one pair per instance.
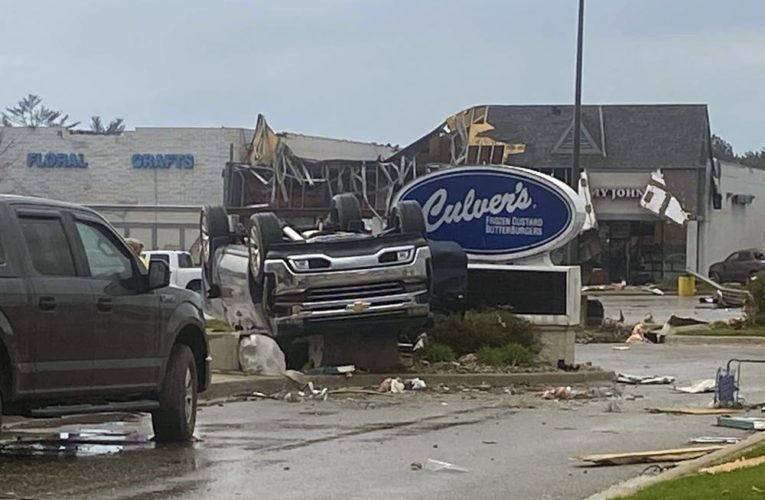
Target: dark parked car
{"points": [[86, 328], [738, 267]]}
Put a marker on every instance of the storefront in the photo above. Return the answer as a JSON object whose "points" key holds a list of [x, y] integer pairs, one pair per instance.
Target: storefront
{"points": [[630, 244]]}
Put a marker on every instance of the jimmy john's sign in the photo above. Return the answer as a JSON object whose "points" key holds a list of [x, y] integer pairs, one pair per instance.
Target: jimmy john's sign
{"points": [[617, 193]]}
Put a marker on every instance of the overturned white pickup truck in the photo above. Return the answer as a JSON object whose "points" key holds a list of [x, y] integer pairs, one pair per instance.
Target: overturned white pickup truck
{"points": [[337, 289]]}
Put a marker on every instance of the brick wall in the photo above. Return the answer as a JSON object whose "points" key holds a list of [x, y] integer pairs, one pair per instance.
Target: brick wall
{"points": [[110, 177]]}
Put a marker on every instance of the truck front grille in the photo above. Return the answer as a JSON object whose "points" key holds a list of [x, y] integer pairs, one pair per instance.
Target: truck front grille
{"points": [[353, 292]]}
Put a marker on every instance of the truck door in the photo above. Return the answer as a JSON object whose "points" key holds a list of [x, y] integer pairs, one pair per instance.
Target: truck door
{"points": [[64, 305], [17, 310], [126, 343]]}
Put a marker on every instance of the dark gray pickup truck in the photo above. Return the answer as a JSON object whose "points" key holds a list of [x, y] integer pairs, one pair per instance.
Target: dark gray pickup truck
{"points": [[86, 328]]}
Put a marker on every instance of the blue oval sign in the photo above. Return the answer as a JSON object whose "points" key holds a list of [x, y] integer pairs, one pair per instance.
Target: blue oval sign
{"points": [[497, 212]]}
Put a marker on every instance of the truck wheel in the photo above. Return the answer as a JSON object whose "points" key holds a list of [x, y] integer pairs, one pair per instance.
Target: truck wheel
{"points": [[345, 210], [177, 414], [407, 217], [715, 276], [213, 225], [195, 286], [265, 230]]}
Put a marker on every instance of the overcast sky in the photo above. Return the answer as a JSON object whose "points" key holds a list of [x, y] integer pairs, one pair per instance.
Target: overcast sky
{"points": [[387, 71]]}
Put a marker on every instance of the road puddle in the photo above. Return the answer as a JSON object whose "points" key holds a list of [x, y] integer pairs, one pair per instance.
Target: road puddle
{"points": [[82, 443]]}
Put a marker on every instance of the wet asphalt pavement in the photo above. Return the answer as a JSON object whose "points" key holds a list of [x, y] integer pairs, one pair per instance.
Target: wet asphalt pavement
{"points": [[369, 447]]}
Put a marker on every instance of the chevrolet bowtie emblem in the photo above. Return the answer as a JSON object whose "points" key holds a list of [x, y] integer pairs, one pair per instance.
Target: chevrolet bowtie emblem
{"points": [[358, 306]]}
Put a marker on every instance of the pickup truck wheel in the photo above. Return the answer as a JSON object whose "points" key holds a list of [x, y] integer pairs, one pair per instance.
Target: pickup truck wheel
{"points": [[177, 414], [715, 276], [407, 217], [213, 224], [345, 211], [265, 230]]}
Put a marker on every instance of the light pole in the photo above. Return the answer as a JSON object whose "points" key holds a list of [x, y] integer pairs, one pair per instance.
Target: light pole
{"points": [[577, 121], [578, 99]]}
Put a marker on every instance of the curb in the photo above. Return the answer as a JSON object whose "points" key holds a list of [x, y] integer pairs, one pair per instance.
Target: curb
{"points": [[227, 385], [712, 340], [639, 483]]}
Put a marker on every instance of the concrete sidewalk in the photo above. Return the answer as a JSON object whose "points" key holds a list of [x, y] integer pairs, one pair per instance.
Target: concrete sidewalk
{"points": [[229, 385]]}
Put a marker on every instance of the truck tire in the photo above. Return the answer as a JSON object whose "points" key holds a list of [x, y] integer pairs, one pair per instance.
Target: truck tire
{"points": [[407, 217], [213, 224], [177, 414], [265, 230], [345, 211]]}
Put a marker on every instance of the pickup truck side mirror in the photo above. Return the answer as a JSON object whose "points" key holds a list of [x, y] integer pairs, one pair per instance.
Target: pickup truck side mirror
{"points": [[159, 275]]}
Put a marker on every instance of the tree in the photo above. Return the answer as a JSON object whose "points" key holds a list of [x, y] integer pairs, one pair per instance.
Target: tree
{"points": [[722, 149], [31, 112], [115, 127], [753, 158]]}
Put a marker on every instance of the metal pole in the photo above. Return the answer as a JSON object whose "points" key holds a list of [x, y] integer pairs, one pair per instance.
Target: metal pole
{"points": [[577, 121], [578, 98]]}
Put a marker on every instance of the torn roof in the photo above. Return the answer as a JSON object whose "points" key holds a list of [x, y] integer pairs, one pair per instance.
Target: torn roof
{"points": [[266, 143], [319, 149], [614, 136]]}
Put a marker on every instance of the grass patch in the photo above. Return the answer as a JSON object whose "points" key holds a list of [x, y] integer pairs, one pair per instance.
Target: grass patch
{"points": [[435, 352], [216, 325], [738, 484], [747, 331], [508, 355], [466, 333]]}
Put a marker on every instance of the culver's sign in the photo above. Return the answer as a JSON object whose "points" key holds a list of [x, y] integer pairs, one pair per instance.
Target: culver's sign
{"points": [[497, 213]]}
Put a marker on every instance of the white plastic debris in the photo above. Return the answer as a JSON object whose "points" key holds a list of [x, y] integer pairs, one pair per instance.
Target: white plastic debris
{"points": [[438, 465], [626, 378], [261, 354], [415, 384], [700, 387], [397, 386]]}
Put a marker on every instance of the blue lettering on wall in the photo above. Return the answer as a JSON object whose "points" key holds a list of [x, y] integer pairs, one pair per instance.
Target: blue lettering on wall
{"points": [[56, 160], [162, 161]]}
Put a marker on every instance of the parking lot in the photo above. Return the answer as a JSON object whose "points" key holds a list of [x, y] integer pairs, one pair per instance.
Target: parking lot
{"points": [[366, 446]]}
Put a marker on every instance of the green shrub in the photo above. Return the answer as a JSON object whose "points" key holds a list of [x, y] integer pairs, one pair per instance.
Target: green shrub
{"points": [[467, 333], [436, 352], [511, 354]]}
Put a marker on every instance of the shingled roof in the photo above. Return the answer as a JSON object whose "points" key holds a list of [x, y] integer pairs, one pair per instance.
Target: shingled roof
{"points": [[614, 136]]}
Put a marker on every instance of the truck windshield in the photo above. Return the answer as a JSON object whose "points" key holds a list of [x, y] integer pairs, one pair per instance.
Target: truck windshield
{"points": [[184, 261]]}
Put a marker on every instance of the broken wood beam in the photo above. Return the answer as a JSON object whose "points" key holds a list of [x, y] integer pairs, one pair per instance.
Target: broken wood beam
{"points": [[641, 457]]}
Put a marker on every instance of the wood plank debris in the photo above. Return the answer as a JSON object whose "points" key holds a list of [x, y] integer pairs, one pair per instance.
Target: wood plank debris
{"points": [[715, 440], [742, 463], [746, 423], [694, 411], [640, 457]]}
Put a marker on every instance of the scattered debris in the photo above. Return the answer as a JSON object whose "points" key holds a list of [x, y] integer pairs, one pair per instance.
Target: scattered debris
{"points": [[707, 385], [670, 455], [680, 324], [468, 358], [638, 335], [415, 384], [692, 411], [714, 440], [660, 201], [261, 354], [626, 378], [489, 441], [297, 378], [742, 463], [415, 466], [559, 393], [621, 348], [736, 323], [746, 423], [438, 465], [566, 367], [392, 385], [309, 393]]}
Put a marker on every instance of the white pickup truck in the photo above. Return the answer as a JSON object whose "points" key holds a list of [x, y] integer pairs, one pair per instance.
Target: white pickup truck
{"points": [[183, 274]]}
